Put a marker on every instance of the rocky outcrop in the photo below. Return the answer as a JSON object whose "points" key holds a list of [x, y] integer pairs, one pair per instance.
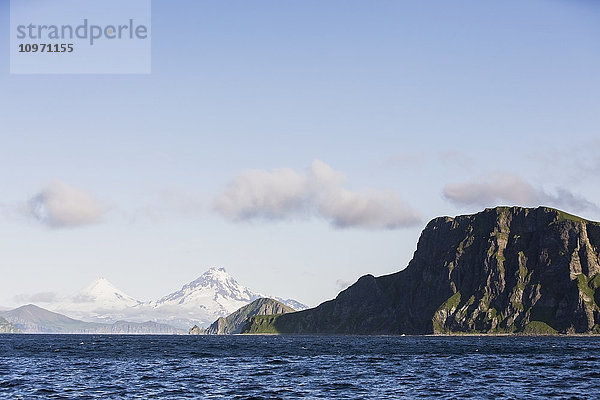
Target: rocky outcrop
{"points": [[233, 323], [503, 270], [196, 330]]}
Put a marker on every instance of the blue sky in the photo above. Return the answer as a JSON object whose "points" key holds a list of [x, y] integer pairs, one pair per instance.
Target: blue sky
{"points": [[271, 135]]}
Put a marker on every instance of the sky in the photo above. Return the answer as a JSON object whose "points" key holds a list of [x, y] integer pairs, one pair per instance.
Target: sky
{"points": [[298, 144]]}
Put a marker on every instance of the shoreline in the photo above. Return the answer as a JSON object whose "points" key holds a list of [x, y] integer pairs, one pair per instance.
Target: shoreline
{"points": [[441, 335]]}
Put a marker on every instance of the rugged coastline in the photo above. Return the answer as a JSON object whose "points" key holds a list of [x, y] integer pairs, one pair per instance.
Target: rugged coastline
{"points": [[505, 270]]}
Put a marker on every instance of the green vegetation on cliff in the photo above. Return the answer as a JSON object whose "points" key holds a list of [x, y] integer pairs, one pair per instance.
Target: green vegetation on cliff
{"points": [[451, 303], [234, 323], [539, 328], [503, 270], [261, 324]]}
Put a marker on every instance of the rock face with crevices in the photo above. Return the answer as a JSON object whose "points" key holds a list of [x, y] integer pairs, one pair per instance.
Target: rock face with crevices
{"points": [[503, 270]]}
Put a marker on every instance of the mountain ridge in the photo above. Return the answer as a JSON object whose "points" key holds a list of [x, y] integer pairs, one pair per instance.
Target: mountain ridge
{"points": [[233, 323], [33, 319]]}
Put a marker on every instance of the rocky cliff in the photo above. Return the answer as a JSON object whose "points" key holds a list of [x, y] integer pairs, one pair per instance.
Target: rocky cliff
{"points": [[503, 270], [233, 323], [196, 330]]}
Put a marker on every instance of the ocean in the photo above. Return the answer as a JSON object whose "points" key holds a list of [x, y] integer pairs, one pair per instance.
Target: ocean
{"points": [[298, 367]]}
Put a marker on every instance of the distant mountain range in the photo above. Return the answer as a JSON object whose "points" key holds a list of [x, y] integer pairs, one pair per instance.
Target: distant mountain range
{"points": [[34, 319], [214, 294], [503, 270]]}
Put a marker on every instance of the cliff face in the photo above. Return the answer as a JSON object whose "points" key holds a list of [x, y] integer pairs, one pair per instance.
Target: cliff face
{"points": [[233, 323], [503, 270]]}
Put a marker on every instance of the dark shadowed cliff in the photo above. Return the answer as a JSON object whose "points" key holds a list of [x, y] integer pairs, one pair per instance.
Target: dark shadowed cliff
{"points": [[503, 270]]}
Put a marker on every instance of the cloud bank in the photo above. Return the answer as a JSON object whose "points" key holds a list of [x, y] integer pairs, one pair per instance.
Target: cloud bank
{"points": [[505, 188], [287, 194], [59, 205]]}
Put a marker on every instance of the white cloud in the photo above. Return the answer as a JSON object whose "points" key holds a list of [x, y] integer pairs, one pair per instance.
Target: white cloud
{"points": [[265, 194], [59, 205], [285, 193], [372, 209], [492, 189], [505, 188], [323, 177]]}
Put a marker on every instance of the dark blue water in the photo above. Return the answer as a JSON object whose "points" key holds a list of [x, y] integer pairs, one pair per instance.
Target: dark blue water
{"points": [[271, 367]]}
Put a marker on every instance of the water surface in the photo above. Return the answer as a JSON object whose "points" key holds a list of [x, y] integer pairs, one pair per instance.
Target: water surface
{"points": [[287, 367]]}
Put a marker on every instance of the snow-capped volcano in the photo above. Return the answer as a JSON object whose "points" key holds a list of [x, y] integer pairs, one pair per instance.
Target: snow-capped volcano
{"points": [[215, 291], [105, 295], [214, 294], [100, 300]]}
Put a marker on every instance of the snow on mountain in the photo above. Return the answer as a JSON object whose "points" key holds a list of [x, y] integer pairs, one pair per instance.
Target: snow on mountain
{"points": [[105, 296], [215, 291], [100, 300], [214, 294]]}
